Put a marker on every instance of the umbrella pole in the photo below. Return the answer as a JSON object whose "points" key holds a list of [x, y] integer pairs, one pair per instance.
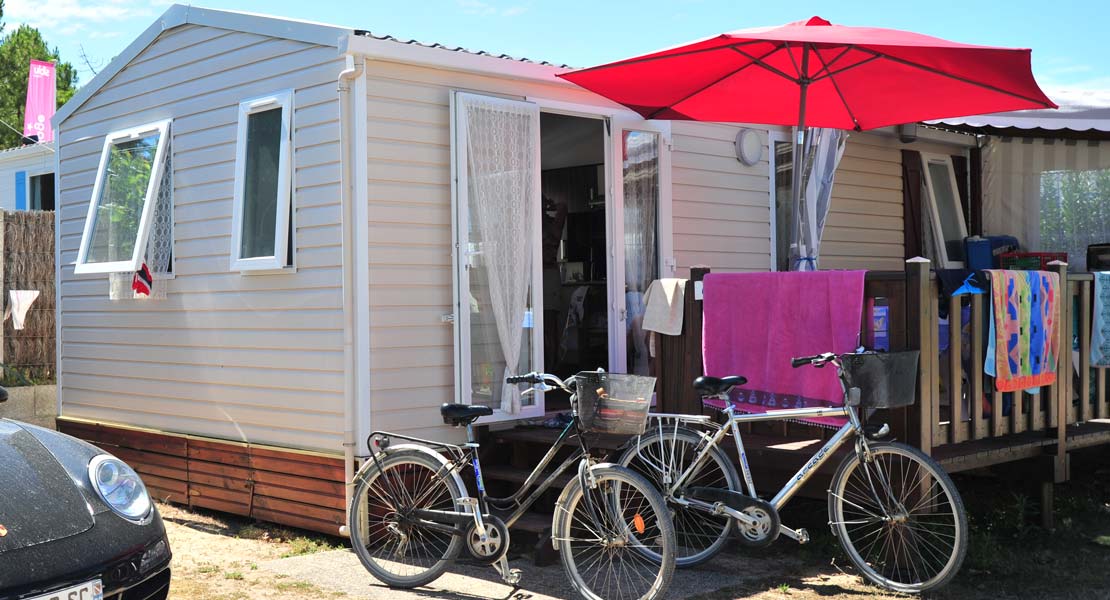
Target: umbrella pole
{"points": [[801, 143]]}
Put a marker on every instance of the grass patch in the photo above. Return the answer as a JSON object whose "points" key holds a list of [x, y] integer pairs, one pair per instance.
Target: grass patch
{"points": [[300, 546], [235, 575]]}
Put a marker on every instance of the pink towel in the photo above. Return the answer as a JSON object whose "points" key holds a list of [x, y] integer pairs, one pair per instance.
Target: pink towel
{"points": [[756, 322]]}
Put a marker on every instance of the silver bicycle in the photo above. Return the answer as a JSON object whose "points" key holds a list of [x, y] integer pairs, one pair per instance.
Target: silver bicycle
{"points": [[894, 510]]}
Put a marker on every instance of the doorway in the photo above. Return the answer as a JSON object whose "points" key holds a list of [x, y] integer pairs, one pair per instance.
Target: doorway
{"points": [[562, 220], [575, 246]]}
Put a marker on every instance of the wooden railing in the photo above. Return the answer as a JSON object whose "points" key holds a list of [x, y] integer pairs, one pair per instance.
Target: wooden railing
{"points": [[949, 409]]}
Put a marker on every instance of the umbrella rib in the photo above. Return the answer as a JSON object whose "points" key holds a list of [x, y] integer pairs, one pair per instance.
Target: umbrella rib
{"points": [[759, 61], [701, 89], [936, 71], [836, 87]]}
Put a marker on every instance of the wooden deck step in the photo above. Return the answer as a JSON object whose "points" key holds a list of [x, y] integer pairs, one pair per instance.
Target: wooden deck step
{"points": [[533, 522], [1028, 444], [518, 475], [543, 436]]}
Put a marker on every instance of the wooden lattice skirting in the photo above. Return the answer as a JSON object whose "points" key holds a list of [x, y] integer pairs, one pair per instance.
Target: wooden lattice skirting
{"points": [[289, 487]]}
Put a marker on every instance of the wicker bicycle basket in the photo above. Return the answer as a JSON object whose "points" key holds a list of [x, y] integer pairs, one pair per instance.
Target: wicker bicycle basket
{"points": [[885, 379], [613, 403]]}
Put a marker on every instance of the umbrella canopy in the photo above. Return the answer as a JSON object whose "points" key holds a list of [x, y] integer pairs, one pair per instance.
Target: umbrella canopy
{"points": [[816, 74], [813, 73]]}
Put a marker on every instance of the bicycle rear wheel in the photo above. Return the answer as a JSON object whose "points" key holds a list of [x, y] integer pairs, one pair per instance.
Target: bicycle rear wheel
{"points": [[662, 457], [396, 547], [604, 536], [899, 518]]}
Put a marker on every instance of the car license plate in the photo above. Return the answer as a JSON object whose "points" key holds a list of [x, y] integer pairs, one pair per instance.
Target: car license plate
{"points": [[90, 590]]}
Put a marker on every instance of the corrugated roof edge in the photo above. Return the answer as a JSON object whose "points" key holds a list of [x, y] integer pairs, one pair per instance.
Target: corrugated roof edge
{"points": [[438, 46], [46, 147], [311, 32]]}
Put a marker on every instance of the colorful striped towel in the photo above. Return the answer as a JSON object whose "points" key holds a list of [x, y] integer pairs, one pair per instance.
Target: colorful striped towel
{"points": [[1100, 325], [1023, 344]]}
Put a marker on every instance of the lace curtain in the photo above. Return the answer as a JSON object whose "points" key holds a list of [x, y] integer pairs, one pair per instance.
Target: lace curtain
{"points": [[822, 156], [641, 200], [502, 173]]}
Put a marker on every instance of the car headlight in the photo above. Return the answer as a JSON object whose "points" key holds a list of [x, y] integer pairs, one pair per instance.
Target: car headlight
{"points": [[120, 487]]}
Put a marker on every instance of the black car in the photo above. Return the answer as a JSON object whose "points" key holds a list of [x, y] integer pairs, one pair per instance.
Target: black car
{"points": [[76, 523]]}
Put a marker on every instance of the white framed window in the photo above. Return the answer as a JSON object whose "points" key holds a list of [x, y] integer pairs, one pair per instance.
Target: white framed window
{"points": [[129, 177], [945, 213], [261, 235]]}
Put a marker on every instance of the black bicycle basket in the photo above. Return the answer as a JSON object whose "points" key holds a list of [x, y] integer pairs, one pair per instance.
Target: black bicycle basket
{"points": [[613, 403], [885, 379]]}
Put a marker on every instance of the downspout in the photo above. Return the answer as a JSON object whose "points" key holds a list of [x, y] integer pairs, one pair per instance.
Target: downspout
{"points": [[352, 71]]}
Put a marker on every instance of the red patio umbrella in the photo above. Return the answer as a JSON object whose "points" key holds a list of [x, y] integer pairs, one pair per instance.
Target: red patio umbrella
{"points": [[816, 74], [812, 73]]}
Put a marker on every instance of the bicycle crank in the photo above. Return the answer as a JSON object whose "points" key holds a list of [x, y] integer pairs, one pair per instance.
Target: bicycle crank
{"points": [[495, 544], [756, 520]]}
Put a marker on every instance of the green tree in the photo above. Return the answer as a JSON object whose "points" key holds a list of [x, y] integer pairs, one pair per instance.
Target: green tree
{"points": [[16, 51]]}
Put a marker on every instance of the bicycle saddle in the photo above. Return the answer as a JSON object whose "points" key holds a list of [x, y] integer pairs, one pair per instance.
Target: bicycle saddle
{"points": [[463, 414], [712, 386]]}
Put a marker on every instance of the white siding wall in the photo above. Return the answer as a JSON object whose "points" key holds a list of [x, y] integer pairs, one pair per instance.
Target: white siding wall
{"points": [[251, 358], [864, 229], [722, 210]]}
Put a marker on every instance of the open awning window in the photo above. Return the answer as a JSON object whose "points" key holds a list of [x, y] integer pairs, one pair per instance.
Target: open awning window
{"points": [[118, 225]]}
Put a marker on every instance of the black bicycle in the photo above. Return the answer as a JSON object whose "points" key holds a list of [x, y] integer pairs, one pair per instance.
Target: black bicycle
{"points": [[411, 515]]}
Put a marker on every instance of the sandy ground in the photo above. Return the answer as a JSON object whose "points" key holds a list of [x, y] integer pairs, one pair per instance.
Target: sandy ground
{"points": [[222, 557]]}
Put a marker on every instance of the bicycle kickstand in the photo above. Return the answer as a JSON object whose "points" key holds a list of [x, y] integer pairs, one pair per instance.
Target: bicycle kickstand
{"points": [[509, 576]]}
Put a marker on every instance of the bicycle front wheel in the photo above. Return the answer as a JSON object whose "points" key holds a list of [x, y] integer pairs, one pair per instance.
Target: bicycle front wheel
{"points": [[899, 518], [663, 457], [606, 535], [393, 544]]}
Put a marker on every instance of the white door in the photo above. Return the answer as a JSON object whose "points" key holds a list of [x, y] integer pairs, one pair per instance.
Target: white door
{"points": [[639, 234], [498, 307]]}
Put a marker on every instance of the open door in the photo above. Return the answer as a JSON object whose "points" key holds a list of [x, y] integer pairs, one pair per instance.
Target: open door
{"points": [[496, 190], [640, 234]]}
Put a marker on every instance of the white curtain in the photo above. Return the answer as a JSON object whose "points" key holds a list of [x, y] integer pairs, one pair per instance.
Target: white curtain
{"points": [[1052, 194], [822, 155], [502, 175]]}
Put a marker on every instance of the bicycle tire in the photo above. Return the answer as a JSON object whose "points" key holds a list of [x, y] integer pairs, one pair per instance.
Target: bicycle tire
{"points": [[624, 497], [901, 547], [663, 456], [382, 539]]}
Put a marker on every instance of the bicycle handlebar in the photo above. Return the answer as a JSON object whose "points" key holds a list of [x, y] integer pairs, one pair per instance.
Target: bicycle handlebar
{"points": [[542, 378], [818, 360]]}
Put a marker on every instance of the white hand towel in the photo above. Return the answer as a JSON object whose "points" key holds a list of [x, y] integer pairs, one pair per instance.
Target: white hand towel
{"points": [[21, 303], [665, 299]]}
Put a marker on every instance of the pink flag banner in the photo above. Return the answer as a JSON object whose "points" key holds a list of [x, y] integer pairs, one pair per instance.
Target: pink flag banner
{"points": [[41, 101]]}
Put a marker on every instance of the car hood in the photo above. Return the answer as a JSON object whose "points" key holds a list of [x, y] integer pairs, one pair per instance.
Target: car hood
{"points": [[39, 501]]}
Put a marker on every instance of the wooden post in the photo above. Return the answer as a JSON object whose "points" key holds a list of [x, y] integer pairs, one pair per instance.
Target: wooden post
{"points": [[921, 327], [978, 426], [692, 366], [956, 431], [1063, 372]]}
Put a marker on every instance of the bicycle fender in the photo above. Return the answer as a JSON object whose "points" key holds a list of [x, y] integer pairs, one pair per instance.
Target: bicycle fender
{"points": [[560, 504], [453, 473]]}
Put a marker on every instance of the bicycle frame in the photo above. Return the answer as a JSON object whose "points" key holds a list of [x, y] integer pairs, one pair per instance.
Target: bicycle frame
{"points": [[853, 426], [523, 498]]}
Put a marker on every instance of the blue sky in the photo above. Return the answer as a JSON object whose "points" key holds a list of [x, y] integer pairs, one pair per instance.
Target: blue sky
{"points": [[1068, 38]]}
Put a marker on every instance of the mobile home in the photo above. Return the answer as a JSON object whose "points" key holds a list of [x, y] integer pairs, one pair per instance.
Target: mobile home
{"points": [[324, 215]]}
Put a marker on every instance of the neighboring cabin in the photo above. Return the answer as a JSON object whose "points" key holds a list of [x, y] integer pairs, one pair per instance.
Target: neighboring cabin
{"points": [[27, 177], [307, 287]]}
